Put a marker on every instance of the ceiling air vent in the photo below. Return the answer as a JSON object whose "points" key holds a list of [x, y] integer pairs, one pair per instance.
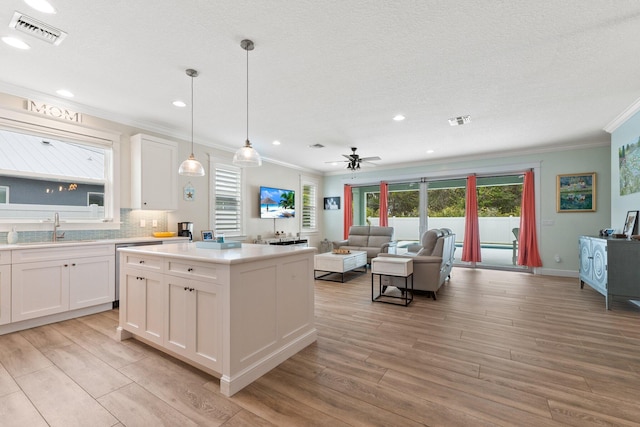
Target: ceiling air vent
{"points": [[38, 29], [316, 146]]}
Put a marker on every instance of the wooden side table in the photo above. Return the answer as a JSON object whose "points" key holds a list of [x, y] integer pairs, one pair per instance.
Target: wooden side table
{"points": [[398, 267]]}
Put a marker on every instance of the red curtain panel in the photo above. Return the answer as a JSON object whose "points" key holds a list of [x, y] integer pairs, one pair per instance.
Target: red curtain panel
{"points": [[384, 204], [471, 245], [528, 241], [348, 210]]}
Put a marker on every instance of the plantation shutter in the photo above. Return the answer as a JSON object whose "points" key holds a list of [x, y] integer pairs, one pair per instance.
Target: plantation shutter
{"points": [[228, 200], [309, 213]]}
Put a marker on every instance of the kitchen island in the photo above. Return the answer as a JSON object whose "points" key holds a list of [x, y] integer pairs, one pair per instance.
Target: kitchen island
{"points": [[234, 313]]}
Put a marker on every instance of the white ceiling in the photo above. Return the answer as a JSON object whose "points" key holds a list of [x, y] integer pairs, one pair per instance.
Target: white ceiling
{"points": [[335, 72]]}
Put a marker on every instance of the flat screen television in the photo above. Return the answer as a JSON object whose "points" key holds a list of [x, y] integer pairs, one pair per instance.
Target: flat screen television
{"points": [[277, 203]]}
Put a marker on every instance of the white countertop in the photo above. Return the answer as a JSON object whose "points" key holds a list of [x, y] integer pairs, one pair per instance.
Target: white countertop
{"points": [[247, 253], [62, 242]]}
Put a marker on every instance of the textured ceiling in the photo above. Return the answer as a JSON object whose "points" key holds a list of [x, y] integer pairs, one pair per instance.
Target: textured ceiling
{"points": [[335, 72]]}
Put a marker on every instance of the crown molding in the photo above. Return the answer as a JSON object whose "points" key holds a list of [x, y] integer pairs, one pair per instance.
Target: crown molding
{"points": [[623, 117]]}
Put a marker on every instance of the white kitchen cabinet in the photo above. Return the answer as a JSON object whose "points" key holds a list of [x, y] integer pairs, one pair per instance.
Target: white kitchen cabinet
{"points": [[91, 281], [5, 287], [142, 303], [154, 171], [194, 323], [234, 313], [50, 281], [39, 289]]}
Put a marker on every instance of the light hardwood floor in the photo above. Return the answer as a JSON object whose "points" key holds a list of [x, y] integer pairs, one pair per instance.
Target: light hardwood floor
{"points": [[496, 348]]}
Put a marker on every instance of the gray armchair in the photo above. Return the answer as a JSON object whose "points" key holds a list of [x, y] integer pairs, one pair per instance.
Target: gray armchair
{"points": [[432, 263]]}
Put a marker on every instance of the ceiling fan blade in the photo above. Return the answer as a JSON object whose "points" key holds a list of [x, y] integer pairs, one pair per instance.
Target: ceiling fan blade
{"points": [[369, 159]]}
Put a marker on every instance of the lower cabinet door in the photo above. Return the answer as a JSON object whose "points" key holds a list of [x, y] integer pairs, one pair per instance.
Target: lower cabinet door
{"points": [[142, 304], [5, 294], [194, 324], [91, 281], [39, 289]]}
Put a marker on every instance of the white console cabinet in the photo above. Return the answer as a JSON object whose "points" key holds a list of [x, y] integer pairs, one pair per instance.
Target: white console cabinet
{"points": [[46, 282], [154, 171], [610, 266]]}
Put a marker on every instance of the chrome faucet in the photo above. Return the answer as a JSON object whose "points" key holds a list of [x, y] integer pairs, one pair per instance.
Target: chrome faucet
{"points": [[56, 225]]}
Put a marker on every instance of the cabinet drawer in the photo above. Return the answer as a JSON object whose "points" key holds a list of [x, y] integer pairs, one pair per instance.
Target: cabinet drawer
{"points": [[5, 257], [194, 270], [392, 266], [144, 262], [19, 256]]}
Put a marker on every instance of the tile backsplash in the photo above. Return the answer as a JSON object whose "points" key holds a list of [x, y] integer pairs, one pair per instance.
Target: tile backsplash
{"points": [[129, 227]]}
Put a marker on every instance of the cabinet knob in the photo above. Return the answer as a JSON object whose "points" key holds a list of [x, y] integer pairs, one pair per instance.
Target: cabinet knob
{"points": [[186, 288], [66, 265], [191, 289], [73, 265], [141, 261], [190, 269]]}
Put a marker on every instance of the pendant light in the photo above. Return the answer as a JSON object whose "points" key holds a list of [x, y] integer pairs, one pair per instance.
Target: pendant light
{"points": [[191, 167], [247, 156]]}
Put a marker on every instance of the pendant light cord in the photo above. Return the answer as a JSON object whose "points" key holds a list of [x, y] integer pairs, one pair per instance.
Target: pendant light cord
{"points": [[247, 94], [192, 115]]}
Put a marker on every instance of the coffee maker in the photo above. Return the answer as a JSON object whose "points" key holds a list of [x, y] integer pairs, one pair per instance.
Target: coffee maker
{"points": [[185, 229]]}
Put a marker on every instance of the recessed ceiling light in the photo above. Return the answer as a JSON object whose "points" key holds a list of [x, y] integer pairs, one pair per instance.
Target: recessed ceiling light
{"points": [[65, 93], [399, 118], [41, 6], [180, 104], [17, 43], [429, 151], [276, 142], [460, 120]]}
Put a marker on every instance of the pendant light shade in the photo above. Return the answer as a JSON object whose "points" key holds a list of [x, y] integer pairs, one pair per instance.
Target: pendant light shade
{"points": [[247, 156], [191, 167]]}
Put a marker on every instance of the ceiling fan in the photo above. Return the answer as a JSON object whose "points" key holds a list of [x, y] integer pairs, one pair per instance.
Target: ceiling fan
{"points": [[354, 160]]}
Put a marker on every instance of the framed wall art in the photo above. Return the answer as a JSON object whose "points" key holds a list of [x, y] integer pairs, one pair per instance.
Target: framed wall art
{"points": [[576, 192], [631, 224], [331, 203]]}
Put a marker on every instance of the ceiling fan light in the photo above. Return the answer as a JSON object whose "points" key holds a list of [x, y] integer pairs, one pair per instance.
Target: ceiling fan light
{"points": [[191, 167], [247, 156]]}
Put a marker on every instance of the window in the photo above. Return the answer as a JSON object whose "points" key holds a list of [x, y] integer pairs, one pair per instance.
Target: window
{"points": [[226, 199], [95, 199], [50, 167], [309, 206], [4, 194]]}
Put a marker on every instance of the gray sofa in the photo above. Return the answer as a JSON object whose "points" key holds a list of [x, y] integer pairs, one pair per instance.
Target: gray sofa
{"points": [[369, 238], [432, 261]]}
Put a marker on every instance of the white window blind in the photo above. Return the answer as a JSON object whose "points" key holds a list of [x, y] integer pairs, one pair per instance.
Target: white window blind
{"points": [[228, 200], [309, 214]]}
